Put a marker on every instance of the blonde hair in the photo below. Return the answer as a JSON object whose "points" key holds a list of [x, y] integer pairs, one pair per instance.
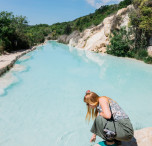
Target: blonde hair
{"points": [[92, 98]]}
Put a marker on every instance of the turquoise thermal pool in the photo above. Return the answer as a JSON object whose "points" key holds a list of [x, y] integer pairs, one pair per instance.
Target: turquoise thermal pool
{"points": [[41, 97]]}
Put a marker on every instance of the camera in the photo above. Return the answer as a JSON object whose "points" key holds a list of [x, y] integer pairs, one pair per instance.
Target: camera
{"points": [[110, 135]]}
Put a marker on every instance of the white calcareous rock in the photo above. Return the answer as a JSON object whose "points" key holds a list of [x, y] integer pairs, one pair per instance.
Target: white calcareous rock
{"points": [[96, 38], [144, 137], [107, 25]]}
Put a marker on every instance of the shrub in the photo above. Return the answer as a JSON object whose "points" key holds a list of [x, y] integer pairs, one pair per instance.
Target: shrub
{"points": [[2, 46], [120, 43], [148, 60], [141, 20], [141, 54]]}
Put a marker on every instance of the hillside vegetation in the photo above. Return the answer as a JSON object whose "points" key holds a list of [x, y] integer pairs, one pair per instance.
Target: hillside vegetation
{"points": [[87, 21], [123, 44]]}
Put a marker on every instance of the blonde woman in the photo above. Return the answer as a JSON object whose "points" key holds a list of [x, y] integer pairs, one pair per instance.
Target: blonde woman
{"points": [[111, 123]]}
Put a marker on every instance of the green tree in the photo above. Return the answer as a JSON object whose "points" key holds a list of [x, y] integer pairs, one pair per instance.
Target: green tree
{"points": [[15, 33], [120, 43], [12, 31], [141, 20], [2, 47], [67, 29]]}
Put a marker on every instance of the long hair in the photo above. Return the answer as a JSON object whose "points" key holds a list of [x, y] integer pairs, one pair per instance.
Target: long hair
{"points": [[91, 98]]}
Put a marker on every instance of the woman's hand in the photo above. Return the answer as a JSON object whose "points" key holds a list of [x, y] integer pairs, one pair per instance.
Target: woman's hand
{"points": [[93, 138]]}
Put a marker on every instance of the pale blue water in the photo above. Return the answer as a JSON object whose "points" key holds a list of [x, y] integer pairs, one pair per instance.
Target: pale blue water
{"points": [[41, 103]]}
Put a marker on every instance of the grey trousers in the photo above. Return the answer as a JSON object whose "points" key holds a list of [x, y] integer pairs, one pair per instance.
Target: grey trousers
{"points": [[123, 127]]}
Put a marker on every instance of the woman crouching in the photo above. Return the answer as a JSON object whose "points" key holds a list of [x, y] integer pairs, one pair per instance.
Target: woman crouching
{"points": [[111, 123]]}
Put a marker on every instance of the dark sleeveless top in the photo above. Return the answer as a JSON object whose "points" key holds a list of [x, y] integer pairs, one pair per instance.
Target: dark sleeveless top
{"points": [[117, 112]]}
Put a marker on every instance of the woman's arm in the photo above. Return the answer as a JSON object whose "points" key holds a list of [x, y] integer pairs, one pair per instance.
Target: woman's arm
{"points": [[106, 113]]}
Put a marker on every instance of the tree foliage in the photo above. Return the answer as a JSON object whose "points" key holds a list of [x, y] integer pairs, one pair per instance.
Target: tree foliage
{"points": [[134, 41], [15, 33], [141, 19], [87, 21], [121, 43]]}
